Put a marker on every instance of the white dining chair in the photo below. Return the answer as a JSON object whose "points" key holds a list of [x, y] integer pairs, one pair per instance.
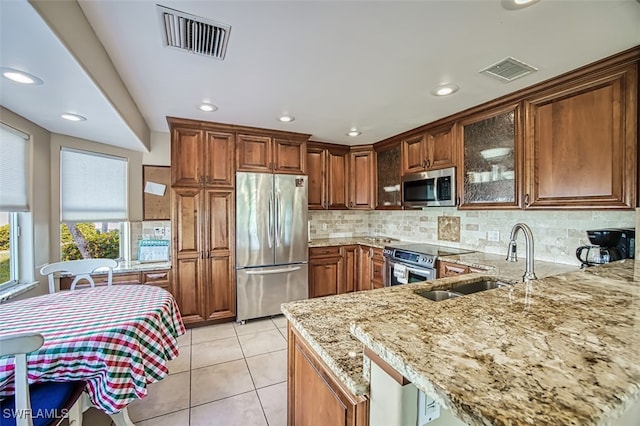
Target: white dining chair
{"points": [[81, 269], [45, 403]]}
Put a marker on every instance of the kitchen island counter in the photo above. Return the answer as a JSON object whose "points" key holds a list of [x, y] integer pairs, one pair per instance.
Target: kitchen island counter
{"points": [[561, 349]]}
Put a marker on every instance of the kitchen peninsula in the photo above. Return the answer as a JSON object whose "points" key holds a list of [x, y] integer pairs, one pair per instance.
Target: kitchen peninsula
{"points": [[564, 349]]}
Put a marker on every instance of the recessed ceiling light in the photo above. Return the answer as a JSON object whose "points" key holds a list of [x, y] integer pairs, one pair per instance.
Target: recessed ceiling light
{"points": [[353, 132], [444, 90], [20, 76], [286, 118], [207, 107], [73, 117], [517, 4]]}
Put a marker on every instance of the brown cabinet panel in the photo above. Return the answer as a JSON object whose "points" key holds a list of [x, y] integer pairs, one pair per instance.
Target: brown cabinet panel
{"points": [[316, 167], [158, 278], [377, 268], [337, 180], [364, 282], [221, 298], [219, 150], [220, 207], [289, 156], [349, 256], [581, 151], [449, 269], [327, 171], [315, 393], [187, 161], [189, 289], [253, 153], [266, 154], [442, 146], [361, 179], [428, 150], [325, 276], [414, 154], [186, 226]]}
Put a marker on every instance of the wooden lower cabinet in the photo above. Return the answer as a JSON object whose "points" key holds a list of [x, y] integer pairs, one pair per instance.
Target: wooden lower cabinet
{"points": [[315, 395], [450, 269], [326, 271], [377, 268]]}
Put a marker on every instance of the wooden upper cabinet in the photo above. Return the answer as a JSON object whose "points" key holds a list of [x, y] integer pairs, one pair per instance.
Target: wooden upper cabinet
{"points": [[361, 179], [490, 159], [388, 179], [219, 152], [327, 171], [266, 154], [201, 158], [429, 150], [581, 143], [317, 171], [187, 162]]}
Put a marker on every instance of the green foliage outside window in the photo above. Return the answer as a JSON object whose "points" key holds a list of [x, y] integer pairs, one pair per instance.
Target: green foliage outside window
{"points": [[4, 253], [99, 244]]}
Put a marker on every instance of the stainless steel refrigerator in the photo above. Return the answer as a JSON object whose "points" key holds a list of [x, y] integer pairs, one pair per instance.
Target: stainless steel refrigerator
{"points": [[271, 242]]}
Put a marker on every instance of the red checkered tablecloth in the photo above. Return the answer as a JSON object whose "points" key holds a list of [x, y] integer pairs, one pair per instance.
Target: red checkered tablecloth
{"points": [[117, 338]]}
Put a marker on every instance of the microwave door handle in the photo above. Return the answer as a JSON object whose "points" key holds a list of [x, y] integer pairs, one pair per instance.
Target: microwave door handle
{"points": [[436, 192]]}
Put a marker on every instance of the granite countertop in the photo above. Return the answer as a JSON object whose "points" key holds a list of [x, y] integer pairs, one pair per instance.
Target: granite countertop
{"points": [[324, 322], [125, 266], [560, 350], [378, 242]]}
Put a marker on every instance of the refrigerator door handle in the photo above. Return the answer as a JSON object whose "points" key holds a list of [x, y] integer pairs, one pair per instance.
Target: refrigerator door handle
{"points": [[270, 224], [274, 271], [278, 219]]}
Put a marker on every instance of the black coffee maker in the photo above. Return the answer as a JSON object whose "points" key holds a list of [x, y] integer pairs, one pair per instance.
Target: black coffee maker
{"points": [[608, 245]]}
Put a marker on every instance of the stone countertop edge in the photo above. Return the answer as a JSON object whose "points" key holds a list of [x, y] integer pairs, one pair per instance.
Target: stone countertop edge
{"points": [[346, 241], [585, 369], [357, 387]]}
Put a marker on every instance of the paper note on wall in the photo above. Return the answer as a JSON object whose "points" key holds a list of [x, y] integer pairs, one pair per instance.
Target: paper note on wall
{"points": [[155, 188]]}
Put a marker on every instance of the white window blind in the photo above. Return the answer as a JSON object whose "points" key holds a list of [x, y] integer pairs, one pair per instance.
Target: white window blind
{"points": [[13, 170], [93, 187]]}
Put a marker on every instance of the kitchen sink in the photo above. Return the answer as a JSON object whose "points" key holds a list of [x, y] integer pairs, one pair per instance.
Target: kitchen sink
{"points": [[476, 286], [437, 295], [463, 289]]}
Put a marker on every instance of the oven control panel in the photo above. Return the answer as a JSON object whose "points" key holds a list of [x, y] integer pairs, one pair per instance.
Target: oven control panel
{"points": [[410, 257]]}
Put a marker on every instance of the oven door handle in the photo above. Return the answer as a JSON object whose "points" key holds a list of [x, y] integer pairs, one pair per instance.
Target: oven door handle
{"points": [[411, 268]]}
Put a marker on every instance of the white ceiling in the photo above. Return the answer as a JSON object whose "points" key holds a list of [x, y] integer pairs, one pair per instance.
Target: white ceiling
{"points": [[331, 64]]}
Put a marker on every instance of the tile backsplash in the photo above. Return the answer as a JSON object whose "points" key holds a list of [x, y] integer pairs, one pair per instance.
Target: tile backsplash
{"points": [[148, 230], [557, 234]]}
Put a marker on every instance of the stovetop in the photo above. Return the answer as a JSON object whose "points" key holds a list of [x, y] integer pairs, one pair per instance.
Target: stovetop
{"points": [[427, 249]]}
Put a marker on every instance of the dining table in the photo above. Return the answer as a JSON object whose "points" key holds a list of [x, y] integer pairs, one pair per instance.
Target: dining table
{"points": [[118, 339]]}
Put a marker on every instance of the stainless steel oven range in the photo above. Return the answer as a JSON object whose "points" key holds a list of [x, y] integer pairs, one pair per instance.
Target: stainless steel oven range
{"points": [[413, 262]]}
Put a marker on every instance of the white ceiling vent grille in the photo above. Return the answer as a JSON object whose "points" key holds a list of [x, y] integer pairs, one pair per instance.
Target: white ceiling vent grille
{"points": [[193, 34], [508, 69]]}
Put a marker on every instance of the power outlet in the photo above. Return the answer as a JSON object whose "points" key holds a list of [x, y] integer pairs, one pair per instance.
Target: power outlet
{"points": [[493, 235], [324, 226], [158, 231]]}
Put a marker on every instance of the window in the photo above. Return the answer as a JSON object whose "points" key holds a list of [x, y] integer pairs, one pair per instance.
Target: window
{"points": [[93, 199], [13, 199]]}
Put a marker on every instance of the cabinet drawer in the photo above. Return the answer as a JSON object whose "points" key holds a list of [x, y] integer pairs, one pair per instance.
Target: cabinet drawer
{"points": [[447, 269], [324, 251], [158, 278]]}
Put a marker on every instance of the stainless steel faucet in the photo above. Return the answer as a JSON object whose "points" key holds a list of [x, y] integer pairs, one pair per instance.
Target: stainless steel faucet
{"points": [[512, 253]]}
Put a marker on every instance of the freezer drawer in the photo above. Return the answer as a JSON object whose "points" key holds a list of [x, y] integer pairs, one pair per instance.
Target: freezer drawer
{"points": [[260, 291]]}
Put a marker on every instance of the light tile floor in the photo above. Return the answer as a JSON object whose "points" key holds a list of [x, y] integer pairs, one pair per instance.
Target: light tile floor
{"points": [[227, 374]]}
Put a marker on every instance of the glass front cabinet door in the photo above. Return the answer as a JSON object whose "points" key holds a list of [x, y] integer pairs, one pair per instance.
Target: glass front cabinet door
{"points": [[490, 158]]}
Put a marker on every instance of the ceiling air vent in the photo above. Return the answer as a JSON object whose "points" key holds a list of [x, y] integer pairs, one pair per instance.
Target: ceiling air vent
{"points": [[193, 34], [508, 69]]}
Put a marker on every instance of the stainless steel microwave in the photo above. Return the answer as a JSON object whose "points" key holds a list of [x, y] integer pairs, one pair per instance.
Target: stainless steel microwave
{"points": [[434, 188]]}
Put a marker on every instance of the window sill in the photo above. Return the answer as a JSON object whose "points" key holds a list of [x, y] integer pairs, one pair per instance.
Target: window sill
{"points": [[14, 290]]}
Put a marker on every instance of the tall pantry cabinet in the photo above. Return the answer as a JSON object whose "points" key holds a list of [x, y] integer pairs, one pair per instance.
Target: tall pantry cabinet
{"points": [[202, 220]]}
